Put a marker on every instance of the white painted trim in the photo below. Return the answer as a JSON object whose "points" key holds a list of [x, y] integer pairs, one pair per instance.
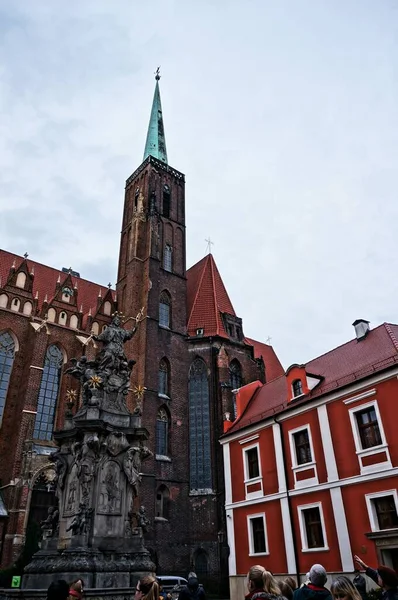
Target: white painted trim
{"points": [[231, 542], [343, 536], [290, 412], [303, 532], [254, 480], [38, 368], [250, 534], [322, 486], [227, 474], [327, 443], [288, 536], [280, 467], [249, 439], [360, 396], [361, 452], [374, 524], [29, 412]]}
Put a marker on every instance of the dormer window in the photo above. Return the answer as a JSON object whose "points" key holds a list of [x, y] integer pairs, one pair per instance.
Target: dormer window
{"points": [[297, 387], [200, 331]]}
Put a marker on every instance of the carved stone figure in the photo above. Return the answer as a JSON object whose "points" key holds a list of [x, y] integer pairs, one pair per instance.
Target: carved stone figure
{"points": [[86, 459], [84, 370], [142, 519], [113, 338], [132, 465], [61, 467], [116, 442], [82, 521], [50, 524], [110, 492]]}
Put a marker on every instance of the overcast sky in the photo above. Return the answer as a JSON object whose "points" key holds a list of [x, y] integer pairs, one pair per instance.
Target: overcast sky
{"points": [[282, 115]]}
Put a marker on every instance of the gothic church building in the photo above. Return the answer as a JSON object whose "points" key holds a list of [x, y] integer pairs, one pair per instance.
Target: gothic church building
{"points": [[191, 354]]}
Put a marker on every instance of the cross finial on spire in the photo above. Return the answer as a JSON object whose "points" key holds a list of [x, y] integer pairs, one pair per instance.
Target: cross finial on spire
{"points": [[268, 340], [209, 245], [109, 285], [157, 74], [26, 255]]}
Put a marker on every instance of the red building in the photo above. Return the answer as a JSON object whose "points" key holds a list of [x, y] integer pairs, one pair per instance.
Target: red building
{"points": [[311, 463], [191, 353]]}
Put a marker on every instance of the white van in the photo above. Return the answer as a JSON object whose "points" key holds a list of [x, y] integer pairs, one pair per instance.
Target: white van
{"points": [[169, 582]]}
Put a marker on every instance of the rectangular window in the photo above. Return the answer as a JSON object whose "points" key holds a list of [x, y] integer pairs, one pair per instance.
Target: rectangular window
{"points": [[252, 463], [368, 427], [312, 527], [302, 447], [258, 543], [386, 512]]}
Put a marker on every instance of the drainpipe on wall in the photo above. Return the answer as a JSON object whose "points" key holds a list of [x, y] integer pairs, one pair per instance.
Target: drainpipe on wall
{"points": [[289, 503]]}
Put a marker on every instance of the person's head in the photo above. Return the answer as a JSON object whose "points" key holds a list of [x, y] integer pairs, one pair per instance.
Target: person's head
{"points": [[256, 578], [147, 588], [192, 574], [76, 589], [286, 590], [342, 588], [270, 584], [387, 578], [291, 582], [318, 575], [58, 590]]}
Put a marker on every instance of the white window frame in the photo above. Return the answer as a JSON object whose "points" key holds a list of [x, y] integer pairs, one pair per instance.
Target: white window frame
{"points": [[374, 523], [292, 386], [250, 534], [296, 468], [361, 452], [247, 480], [303, 532]]}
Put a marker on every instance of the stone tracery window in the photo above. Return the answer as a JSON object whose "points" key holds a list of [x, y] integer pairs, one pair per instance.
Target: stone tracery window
{"points": [[164, 309], [162, 432], [199, 427], [164, 378], [48, 394], [7, 354], [168, 258]]}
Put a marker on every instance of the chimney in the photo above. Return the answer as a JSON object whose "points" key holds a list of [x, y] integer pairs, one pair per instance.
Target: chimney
{"points": [[361, 329]]}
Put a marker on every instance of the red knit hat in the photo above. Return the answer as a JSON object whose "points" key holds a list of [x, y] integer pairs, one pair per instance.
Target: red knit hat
{"points": [[389, 576]]}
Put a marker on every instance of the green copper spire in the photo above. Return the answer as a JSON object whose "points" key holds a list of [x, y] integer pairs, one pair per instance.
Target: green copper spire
{"points": [[155, 139]]}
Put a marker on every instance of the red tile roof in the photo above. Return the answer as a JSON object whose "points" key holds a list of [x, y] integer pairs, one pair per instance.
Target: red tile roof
{"points": [[273, 367], [207, 298], [45, 282], [341, 366]]}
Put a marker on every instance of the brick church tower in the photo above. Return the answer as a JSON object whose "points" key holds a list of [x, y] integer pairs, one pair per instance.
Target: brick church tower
{"points": [[152, 274]]}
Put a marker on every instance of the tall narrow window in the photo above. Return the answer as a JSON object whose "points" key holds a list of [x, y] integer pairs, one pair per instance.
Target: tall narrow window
{"points": [[163, 502], [163, 379], [297, 388], [303, 448], [166, 201], [313, 528], [7, 353], [199, 427], [368, 426], [168, 258], [257, 535], [162, 431], [386, 511], [235, 373], [201, 563], [164, 310], [48, 394], [252, 463]]}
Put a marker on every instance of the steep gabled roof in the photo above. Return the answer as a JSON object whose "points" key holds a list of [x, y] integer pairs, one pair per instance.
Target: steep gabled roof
{"points": [[353, 361], [45, 282], [273, 367], [207, 298]]}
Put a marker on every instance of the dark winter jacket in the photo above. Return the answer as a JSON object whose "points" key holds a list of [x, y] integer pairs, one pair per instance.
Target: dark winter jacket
{"points": [[261, 595], [312, 592], [360, 583], [391, 594], [192, 591]]}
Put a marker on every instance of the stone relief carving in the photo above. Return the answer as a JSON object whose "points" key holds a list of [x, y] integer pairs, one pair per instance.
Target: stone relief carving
{"points": [[132, 465], [110, 495]]}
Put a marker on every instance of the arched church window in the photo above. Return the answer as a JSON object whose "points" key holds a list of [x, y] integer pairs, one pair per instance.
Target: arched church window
{"points": [[15, 304], [168, 258], [201, 563], [164, 378], [21, 280], [48, 394], [163, 502], [235, 375], [7, 354], [199, 427], [95, 328], [164, 309], [27, 308], [166, 201], [162, 432], [3, 300]]}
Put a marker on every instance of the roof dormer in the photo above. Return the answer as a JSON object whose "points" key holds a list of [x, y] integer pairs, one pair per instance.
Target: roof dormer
{"points": [[299, 382]]}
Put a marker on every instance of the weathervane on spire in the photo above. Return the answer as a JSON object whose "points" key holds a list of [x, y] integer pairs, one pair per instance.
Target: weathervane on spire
{"points": [[157, 74]]}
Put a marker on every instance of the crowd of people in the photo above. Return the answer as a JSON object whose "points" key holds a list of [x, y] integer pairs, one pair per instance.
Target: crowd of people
{"points": [[262, 585]]}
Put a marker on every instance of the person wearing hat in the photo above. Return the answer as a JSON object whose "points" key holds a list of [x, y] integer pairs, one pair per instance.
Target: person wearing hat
{"points": [[314, 587], [385, 577]]}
